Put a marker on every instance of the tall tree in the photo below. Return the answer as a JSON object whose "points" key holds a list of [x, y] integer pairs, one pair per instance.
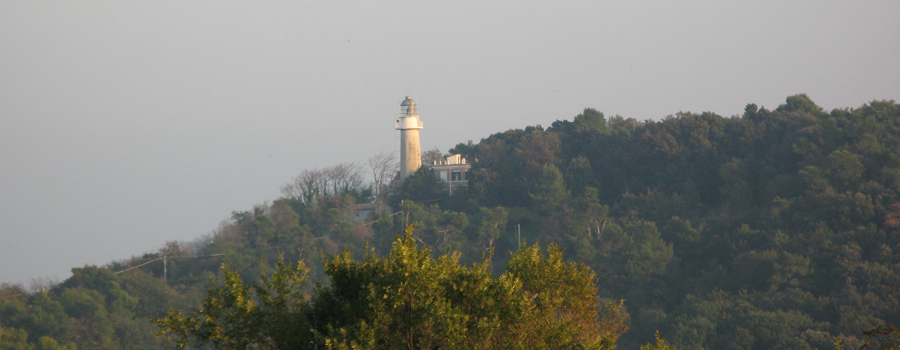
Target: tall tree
{"points": [[384, 168]]}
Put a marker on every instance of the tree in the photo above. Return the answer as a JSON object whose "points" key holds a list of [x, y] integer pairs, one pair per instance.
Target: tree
{"points": [[304, 187], [800, 103], [239, 316], [565, 303], [536, 149], [845, 169], [420, 186], [94, 329], [340, 179], [591, 120], [659, 345], [579, 174], [884, 337], [492, 224], [548, 192], [47, 343], [384, 167], [407, 299], [14, 339], [17, 339], [410, 300], [347, 179], [431, 156], [465, 149]]}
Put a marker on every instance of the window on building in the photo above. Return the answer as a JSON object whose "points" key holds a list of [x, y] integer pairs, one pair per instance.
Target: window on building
{"points": [[457, 176]]}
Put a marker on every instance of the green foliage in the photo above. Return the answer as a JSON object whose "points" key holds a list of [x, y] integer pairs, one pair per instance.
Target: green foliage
{"points": [[47, 343], [421, 186], [492, 222], [464, 148], [14, 339], [410, 300], [659, 345], [566, 303], [238, 316], [548, 192], [774, 229], [407, 299], [800, 103], [773, 208], [884, 337], [590, 121]]}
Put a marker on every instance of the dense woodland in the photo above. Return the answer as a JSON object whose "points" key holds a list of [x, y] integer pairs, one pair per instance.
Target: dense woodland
{"points": [[775, 229]]}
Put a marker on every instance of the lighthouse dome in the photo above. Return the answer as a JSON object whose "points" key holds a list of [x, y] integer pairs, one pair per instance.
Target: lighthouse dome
{"points": [[408, 108]]}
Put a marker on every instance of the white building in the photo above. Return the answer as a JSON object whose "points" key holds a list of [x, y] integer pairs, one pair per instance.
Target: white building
{"points": [[454, 170], [409, 126]]}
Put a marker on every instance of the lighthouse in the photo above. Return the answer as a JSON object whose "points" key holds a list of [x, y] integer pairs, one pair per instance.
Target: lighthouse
{"points": [[409, 125]]}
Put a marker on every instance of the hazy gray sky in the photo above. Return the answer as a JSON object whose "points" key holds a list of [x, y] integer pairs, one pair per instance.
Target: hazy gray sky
{"points": [[126, 124]]}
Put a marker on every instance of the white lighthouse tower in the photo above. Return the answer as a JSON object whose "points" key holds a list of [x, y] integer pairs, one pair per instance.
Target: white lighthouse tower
{"points": [[409, 125]]}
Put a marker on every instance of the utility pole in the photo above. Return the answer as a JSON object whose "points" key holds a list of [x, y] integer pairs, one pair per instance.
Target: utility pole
{"points": [[518, 236], [405, 224]]}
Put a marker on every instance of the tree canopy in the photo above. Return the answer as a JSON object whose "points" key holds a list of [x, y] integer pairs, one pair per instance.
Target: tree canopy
{"points": [[408, 299]]}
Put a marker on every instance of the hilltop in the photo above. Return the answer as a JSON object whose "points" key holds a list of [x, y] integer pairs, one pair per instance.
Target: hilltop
{"points": [[773, 229]]}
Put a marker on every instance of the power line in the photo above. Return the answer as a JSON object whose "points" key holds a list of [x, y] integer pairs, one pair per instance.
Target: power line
{"points": [[377, 220], [166, 257], [426, 201], [134, 267]]}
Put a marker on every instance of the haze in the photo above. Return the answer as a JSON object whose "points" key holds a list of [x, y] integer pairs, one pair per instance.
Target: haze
{"points": [[129, 124]]}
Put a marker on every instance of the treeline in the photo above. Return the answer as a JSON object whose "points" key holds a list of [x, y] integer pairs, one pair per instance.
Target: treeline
{"points": [[776, 229], [773, 230]]}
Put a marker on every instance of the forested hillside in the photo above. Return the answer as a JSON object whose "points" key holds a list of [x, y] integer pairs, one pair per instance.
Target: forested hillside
{"points": [[776, 229]]}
